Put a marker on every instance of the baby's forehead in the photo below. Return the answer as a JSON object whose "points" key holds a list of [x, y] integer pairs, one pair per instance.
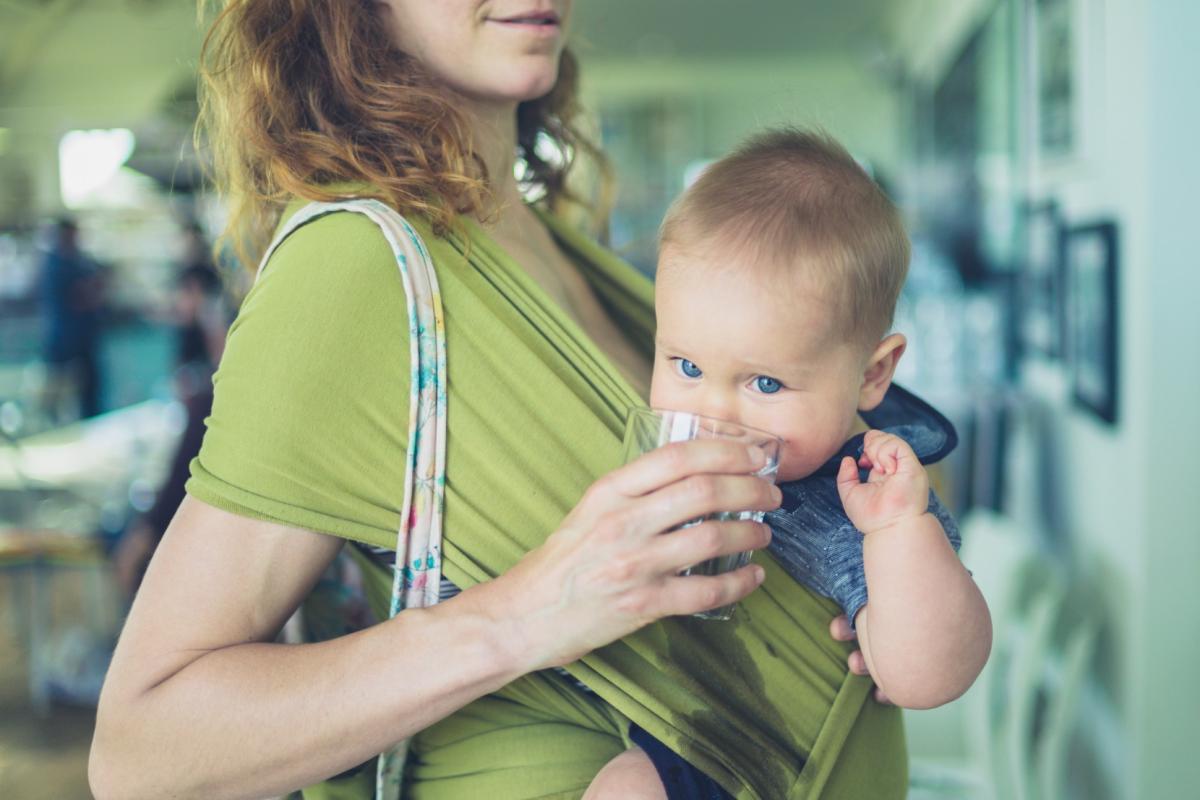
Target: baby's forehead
{"points": [[806, 270], [779, 282], [729, 320]]}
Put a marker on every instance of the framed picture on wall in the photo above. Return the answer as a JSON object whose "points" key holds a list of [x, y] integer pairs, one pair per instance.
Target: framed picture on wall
{"points": [[1056, 85], [1042, 243], [1092, 317], [1058, 78]]}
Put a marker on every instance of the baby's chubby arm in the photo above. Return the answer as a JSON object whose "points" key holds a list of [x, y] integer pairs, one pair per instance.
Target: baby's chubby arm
{"points": [[925, 631]]}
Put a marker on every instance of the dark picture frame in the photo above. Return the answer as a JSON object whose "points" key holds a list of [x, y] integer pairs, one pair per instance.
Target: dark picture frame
{"points": [[1093, 320], [1042, 253]]}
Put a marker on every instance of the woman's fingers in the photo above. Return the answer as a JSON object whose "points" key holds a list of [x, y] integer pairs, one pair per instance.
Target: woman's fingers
{"points": [[840, 629], [612, 568], [700, 496], [689, 594], [671, 463], [680, 549]]}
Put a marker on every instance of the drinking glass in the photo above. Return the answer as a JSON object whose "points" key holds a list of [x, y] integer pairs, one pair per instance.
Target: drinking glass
{"points": [[646, 429]]}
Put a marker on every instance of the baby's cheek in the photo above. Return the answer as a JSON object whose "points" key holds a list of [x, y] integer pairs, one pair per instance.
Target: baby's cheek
{"points": [[659, 397], [792, 464], [800, 458]]}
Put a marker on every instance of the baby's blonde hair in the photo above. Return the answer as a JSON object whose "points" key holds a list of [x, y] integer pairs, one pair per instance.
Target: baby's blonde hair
{"points": [[797, 201]]}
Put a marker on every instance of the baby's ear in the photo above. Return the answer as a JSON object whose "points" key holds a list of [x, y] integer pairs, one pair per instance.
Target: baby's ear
{"points": [[881, 367]]}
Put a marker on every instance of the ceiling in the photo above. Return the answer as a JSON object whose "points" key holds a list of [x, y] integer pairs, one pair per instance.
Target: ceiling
{"points": [[92, 62], [726, 28]]}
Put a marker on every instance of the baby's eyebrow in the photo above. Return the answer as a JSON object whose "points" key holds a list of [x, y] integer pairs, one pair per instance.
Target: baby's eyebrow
{"points": [[783, 376], [664, 345], [793, 372]]}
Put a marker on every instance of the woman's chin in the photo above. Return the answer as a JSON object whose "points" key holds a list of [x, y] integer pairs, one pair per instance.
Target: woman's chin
{"points": [[520, 86]]}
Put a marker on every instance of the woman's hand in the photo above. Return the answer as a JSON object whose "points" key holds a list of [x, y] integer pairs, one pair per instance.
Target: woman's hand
{"points": [[609, 569], [840, 629]]}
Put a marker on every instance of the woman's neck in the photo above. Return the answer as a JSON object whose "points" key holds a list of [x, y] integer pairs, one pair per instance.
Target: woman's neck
{"points": [[494, 131]]}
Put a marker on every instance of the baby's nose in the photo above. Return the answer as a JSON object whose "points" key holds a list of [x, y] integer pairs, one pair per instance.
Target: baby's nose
{"points": [[719, 407]]}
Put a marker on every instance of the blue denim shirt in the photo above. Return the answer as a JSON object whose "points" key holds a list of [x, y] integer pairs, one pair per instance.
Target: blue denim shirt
{"points": [[814, 540]]}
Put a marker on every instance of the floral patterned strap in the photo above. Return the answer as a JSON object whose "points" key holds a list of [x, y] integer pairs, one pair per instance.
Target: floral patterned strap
{"points": [[418, 567]]}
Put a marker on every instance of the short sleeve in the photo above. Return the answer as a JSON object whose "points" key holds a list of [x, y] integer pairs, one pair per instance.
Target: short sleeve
{"points": [[819, 546], [310, 407]]}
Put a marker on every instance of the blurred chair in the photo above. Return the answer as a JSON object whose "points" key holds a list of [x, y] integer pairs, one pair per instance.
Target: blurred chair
{"points": [[1062, 712], [1018, 719], [1017, 695], [952, 746]]}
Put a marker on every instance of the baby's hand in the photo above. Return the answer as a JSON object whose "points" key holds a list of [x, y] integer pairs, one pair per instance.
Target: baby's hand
{"points": [[896, 489]]}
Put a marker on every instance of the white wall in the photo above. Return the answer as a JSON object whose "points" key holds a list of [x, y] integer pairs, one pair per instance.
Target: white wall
{"points": [[1104, 479], [1168, 639]]}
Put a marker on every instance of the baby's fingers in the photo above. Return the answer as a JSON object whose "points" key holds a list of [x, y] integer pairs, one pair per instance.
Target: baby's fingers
{"points": [[891, 448], [847, 477], [886, 451]]}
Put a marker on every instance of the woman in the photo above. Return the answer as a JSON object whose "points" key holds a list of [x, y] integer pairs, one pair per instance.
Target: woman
{"points": [[424, 106]]}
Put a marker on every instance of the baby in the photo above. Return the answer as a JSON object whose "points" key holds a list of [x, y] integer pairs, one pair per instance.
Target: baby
{"points": [[777, 280]]}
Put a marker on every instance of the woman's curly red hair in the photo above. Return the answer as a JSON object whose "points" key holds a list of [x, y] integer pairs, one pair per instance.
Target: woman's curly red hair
{"points": [[300, 94]]}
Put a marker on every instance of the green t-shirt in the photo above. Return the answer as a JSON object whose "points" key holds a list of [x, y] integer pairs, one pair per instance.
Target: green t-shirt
{"points": [[309, 418], [309, 428]]}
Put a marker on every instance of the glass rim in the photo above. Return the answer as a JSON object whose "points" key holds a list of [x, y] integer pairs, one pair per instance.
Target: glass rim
{"points": [[657, 411]]}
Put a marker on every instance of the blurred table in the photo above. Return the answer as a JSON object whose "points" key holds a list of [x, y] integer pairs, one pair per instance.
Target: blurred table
{"points": [[61, 492], [29, 561]]}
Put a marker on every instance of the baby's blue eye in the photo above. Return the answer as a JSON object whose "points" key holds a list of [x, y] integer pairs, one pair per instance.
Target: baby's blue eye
{"points": [[687, 368], [767, 385]]}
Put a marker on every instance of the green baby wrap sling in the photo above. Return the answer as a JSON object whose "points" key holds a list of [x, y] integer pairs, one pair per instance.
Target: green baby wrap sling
{"points": [[762, 703]]}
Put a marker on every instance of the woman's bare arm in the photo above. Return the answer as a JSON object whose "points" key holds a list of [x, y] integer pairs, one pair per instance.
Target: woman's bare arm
{"points": [[200, 703]]}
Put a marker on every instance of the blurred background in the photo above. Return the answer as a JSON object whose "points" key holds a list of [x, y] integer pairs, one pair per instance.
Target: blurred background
{"points": [[1042, 151]]}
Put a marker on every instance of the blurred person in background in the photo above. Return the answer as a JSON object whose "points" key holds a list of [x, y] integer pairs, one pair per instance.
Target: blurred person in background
{"points": [[200, 305], [72, 304], [200, 311]]}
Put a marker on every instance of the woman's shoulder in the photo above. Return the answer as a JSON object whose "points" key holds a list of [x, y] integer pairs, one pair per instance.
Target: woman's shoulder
{"points": [[329, 245], [328, 300], [337, 269]]}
